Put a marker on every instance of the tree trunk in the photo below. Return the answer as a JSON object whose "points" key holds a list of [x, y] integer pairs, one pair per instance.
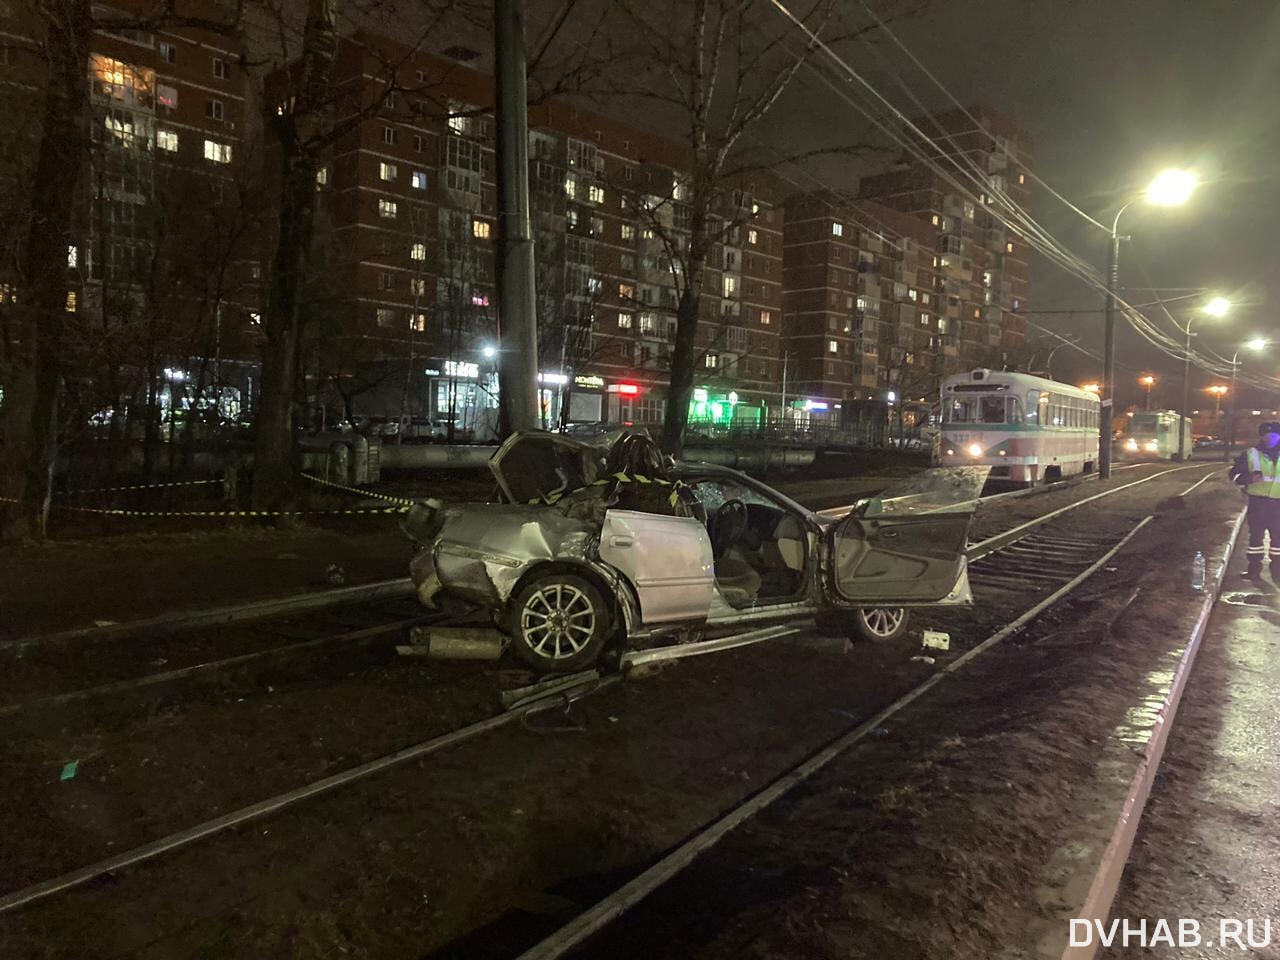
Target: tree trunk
{"points": [[275, 470], [31, 409], [682, 357]]}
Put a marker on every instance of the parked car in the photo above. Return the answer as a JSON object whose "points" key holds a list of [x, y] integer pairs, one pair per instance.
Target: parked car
{"points": [[602, 542]]}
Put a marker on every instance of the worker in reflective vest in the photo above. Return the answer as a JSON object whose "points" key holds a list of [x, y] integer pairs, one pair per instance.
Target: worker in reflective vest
{"points": [[1258, 471]]}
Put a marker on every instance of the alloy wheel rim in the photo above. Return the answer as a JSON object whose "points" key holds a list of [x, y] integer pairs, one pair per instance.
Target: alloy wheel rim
{"points": [[882, 621], [557, 621]]}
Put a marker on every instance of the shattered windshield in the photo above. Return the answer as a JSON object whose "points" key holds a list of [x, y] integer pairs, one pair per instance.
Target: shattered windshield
{"points": [[936, 490]]}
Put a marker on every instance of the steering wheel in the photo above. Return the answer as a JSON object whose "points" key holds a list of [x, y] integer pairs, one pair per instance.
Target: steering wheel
{"points": [[730, 525]]}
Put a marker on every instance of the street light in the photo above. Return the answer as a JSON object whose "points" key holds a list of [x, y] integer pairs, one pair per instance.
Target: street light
{"points": [[489, 353], [1148, 381], [1170, 188], [1217, 307], [1090, 387], [1217, 390], [1257, 344]]}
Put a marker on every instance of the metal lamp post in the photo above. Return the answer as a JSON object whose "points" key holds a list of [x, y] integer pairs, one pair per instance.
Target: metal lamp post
{"points": [[1170, 188], [1256, 344], [1148, 381], [1217, 307], [1217, 390]]}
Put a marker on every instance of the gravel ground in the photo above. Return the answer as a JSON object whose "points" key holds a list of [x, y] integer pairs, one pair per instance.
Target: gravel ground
{"points": [[477, 851]]}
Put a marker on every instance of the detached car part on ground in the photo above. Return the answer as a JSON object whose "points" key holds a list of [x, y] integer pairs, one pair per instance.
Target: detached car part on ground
{"points": [[602, 544]]}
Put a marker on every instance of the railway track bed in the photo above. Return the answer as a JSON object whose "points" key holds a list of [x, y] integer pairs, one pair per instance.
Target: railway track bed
{"points": [[487, 842]]}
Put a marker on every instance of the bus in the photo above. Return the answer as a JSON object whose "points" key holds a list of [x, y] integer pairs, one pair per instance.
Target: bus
{"points": [[1026, 428], [1155, 434]]}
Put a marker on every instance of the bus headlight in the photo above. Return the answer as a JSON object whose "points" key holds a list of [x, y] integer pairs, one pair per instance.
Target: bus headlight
{"points": [[1131, 444], [975, 450]]}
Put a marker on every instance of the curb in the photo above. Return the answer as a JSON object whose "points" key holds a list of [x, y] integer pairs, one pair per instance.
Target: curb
{"points": [[1106, 879], [212, 616]]}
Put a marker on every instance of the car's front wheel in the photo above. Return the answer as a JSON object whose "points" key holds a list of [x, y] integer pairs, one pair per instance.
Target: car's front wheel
{"points": [[880, 623], [558, 623]]}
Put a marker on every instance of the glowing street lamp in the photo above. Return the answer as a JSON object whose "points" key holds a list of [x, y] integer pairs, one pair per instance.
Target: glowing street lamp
{"points": [[1257, 344], [1090, 387], [1170, 188], [1217, 390], [1216, 307], [1148, 381]]}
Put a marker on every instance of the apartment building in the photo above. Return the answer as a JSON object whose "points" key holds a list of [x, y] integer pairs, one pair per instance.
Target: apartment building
{"points": [[408, 198], [864, 319], [161, 268], [982, 263]]}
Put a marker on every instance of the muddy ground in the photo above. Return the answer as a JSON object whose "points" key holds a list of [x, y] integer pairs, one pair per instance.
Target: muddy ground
{"points": [[475, 852]]}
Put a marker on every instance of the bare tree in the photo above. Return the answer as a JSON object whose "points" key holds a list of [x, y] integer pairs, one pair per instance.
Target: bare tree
{"points": [[707, 62]]}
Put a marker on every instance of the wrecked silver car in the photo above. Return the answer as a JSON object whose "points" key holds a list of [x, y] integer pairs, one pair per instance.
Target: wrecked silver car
{"points": [[604, 544]]}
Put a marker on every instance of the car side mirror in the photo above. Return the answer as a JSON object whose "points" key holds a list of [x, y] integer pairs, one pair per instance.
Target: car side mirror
{"points": [[868, 507]]}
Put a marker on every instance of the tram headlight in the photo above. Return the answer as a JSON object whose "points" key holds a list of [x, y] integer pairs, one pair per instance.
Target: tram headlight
{"points": [[1131, 444], [1152, 446], [975, 450], [950, 452]]}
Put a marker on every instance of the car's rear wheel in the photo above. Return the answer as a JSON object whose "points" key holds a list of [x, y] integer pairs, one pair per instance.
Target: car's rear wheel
{"points": [[558, 623], [880, 623]]}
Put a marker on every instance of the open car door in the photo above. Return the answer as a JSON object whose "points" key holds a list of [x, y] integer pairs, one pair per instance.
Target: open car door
{"points": [[907, 547]]}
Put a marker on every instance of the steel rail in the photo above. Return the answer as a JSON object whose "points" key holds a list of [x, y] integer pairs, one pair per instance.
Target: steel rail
{"points": [[981, 549], [262, 808], [215, 616], [59, 700], [573, 934]]}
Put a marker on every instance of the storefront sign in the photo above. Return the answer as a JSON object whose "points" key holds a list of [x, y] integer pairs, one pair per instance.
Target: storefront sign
{"points": [[555, 379], [463, 369], [591, 383]]}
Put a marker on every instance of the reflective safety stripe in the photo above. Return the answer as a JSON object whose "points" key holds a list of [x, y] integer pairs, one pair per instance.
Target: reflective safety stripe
{"points": [[1269, 485]]}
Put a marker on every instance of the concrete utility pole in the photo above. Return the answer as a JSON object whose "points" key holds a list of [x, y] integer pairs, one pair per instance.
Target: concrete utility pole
{"points": [[1109, 354], [517, 320]]}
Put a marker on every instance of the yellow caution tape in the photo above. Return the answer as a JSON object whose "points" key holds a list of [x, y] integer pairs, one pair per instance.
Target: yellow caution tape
{"points": [[142, 486], [363, 493], [225, 513]]}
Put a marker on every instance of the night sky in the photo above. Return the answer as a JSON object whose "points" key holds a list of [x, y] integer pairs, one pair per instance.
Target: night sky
{"points": [[1110, 93]]}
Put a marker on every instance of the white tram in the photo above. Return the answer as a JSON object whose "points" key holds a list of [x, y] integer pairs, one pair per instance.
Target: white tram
{"points": [[1026, 428], [1155, 434]]}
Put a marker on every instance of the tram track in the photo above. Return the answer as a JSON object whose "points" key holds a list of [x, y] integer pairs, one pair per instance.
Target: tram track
{"points": [[588, 685]]}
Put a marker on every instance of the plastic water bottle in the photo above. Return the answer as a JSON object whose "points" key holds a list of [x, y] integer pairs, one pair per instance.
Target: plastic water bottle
{"points": [[1197, 573]]}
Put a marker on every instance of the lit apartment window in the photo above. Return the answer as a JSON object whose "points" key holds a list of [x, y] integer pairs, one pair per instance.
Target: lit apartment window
{"points": [[387, 209], [418, 286], [753, 236], [214, 110], [418, 251], [942, 324], [220, 69], [833, 346], [628, 232], [385, 316], [1022, 179], [480, 229], [418, 322], [217, 152], [167, 140], [389, 135], [924, 298], [71, 301], [419, 180], [913, 294], [73, 256], [168, 52], [711, 361], [386, 171], [730, 286], [624, 321], [322, 176], [419, 143], [647, 233], [648, 323], [626, 291], [595, 194], [935, 219], [766, 317], [1008, 247], [837, 229], [924, 319], [571, 187]]}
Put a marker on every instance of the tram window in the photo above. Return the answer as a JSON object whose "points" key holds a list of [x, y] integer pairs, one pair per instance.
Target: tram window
{"points": [[994, 409], [960, 411]]}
